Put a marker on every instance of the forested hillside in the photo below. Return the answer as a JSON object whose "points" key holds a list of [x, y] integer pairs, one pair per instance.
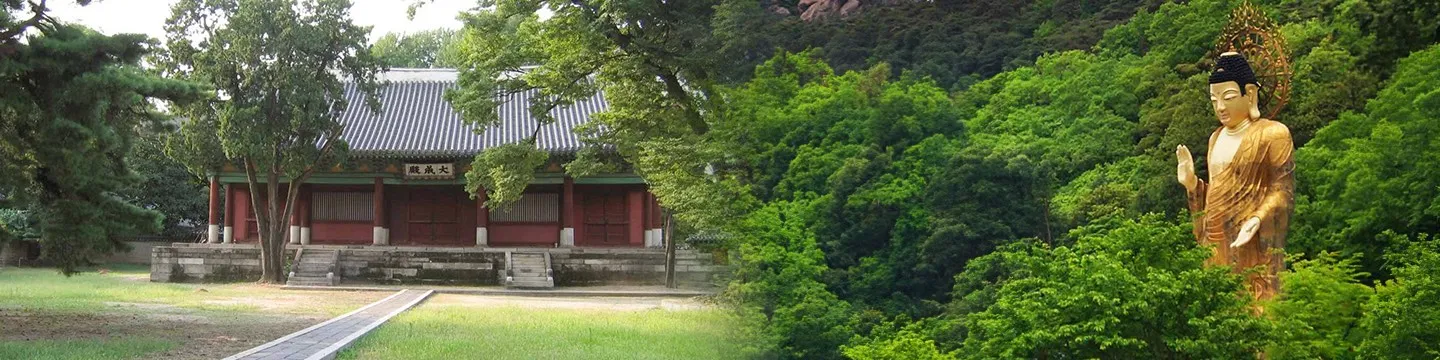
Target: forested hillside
{"points": [[948, 189], [956, 43]]}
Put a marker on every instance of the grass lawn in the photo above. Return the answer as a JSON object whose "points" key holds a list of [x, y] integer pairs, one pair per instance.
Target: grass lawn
{"points": [[447, 328], [122, 315], [46, 289]]}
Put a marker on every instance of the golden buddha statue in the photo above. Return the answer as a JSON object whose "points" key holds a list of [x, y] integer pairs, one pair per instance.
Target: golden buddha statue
{"points": [[1244, 210]]}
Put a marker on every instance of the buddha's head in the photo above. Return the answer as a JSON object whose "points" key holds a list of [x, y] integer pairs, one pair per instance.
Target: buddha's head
{"points": [[1234, 92]]}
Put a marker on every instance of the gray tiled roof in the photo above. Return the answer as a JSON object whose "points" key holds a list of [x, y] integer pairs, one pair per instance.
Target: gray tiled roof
{"points": [[416, 121]]}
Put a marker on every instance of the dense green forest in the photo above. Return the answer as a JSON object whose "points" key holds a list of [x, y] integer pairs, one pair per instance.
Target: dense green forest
{"points": [[909, 212]]}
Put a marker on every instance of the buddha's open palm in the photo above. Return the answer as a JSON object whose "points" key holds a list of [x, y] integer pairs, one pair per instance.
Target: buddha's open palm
{"points": [[1185, 169]]}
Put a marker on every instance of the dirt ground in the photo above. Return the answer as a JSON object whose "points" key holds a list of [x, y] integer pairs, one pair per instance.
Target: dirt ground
{"points": [[202, 334]]}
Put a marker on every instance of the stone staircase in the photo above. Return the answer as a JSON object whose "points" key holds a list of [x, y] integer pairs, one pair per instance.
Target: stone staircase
{"points": [[528, 270], [315, 267]]}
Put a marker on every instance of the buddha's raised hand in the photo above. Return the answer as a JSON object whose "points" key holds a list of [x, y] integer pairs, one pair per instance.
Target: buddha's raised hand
{"points": [[1185, 169]]}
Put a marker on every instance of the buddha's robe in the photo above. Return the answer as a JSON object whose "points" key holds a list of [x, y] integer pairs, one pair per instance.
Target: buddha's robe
{"points": [[1258, 182]]}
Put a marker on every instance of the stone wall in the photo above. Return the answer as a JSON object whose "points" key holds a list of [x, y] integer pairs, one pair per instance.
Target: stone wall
{"points": [[588, 267], [442, 266], [140, 253], [14, 253], [213, 263], [397, 266]]}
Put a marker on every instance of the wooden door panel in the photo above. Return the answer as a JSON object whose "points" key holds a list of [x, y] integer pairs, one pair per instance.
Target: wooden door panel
{"points": [[615, 209], [434, 217], [607, 217]]}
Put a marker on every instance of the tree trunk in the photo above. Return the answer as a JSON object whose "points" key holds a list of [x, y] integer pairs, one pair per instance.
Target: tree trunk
{"points": [[271, 218]]}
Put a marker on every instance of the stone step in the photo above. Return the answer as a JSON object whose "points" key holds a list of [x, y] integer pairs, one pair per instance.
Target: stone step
{"points": [[529, 274], [308, 281], [307, 267], [531, 284]]}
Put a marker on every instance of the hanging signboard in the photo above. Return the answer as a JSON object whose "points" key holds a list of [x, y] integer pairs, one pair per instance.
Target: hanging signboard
{"points": [[430, 171]]}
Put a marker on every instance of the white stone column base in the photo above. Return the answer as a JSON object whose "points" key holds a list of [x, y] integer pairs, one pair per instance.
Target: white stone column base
{"points": [[567, 237], [305, 235], [482, 236], [214, 235], [650, 241], [659, 237], [382, 236], [229, 236], [294, 234]]}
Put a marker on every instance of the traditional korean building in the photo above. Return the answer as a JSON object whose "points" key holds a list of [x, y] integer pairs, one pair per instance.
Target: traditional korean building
{"points": [[404, 182], [396, 212]]}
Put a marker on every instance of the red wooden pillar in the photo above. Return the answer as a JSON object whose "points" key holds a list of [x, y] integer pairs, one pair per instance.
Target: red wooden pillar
{"points": [[567, 214], [382, 234], [214, 229], [229, 233], [482, 218]]}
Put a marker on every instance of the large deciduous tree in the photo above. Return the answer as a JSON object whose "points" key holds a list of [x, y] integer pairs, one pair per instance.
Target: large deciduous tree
{"points": [[425, 49], [278, 68], [655, 63], [71, 103]]}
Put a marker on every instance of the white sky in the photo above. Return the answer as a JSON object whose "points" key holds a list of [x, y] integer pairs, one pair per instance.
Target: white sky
{"points": [[148, 16]]}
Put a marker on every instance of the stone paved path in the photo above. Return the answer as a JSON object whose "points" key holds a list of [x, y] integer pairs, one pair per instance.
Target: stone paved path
{"points": [[326, 339]]}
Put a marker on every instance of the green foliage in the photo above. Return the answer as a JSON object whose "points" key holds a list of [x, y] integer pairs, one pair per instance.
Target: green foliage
{"points": [[18, 224], [1070, 112], [1130, 289], [906, 345], [438, 48], [778, 289], [276, 66], [1318, 313], [1400, 320], [657, 78], [71, 104], [1373, 171], [953, 42], [1328, 82], [866, 148], [504, 171], [167, 187], [884, 198], [1120, 189]]}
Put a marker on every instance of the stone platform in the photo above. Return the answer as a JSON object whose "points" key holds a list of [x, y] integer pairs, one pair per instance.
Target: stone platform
{"points": [[415, 265]]}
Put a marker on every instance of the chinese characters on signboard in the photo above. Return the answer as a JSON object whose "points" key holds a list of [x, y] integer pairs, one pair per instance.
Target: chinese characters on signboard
{"points": [[430, 171]]}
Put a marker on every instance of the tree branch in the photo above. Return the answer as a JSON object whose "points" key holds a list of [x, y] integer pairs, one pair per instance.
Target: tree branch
{"points": [[34, 20]]}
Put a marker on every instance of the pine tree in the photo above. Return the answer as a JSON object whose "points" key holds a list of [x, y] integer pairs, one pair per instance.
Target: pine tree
{"points": [[71, 103]]}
